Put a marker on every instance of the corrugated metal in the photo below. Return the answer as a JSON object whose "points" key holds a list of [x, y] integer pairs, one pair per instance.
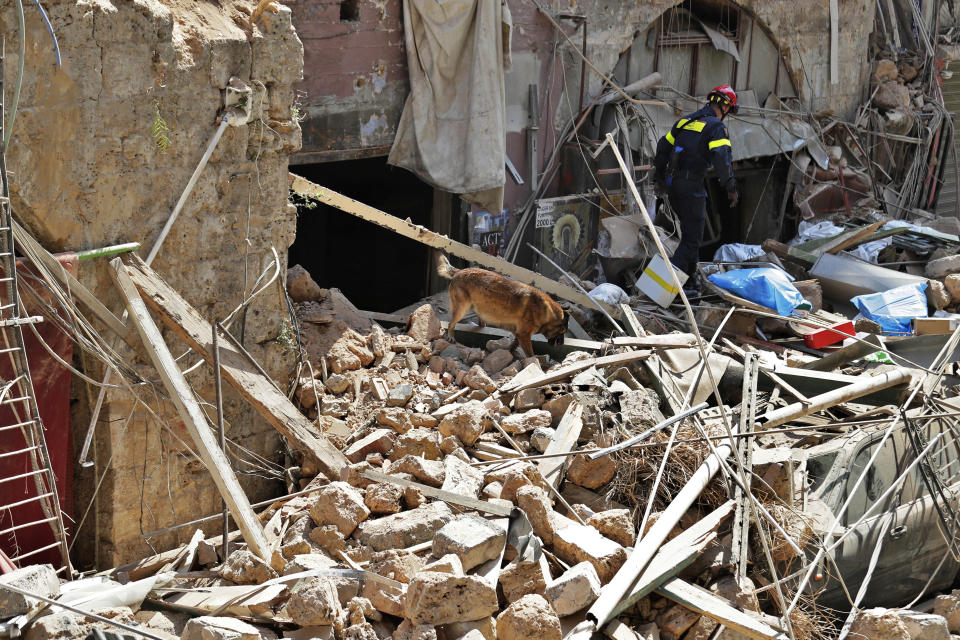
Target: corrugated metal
{"points": [[947, 204]]}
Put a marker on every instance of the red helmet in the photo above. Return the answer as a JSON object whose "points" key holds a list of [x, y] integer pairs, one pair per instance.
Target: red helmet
{"points": [[724, 95]]}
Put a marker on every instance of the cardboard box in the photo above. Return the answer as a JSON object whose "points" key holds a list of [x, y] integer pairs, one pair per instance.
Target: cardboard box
{"points": [[934, 326]]}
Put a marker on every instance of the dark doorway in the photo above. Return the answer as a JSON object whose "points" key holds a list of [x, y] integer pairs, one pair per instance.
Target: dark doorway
{"points": [[376, 269]]}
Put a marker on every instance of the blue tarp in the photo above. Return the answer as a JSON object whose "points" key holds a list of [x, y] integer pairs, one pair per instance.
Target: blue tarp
{"points": [[892, 309], [766, 286]]}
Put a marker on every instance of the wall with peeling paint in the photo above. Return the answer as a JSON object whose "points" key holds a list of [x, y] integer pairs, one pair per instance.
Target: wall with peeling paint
{"points": [[355, 71]]}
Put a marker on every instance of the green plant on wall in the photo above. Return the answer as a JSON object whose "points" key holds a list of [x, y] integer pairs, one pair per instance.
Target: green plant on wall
{"points": [[286, 337], [159, 130]]}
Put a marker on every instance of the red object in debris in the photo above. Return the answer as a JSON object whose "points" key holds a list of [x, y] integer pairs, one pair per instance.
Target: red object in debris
{"points": [[5, 565], [825, 337]]}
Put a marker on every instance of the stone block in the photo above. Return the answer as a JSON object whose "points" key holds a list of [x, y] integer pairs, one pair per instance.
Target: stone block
{"points": [[360, 609], [937, 295], [419, 442], [674, 621], [529, 618], [948, 606], [400, 395], [408, 631], [477, 378], [40, 579], [461, 478], [351, 474], [952, 283], [429, 472], [879, 624], [528, 399], [314, 601], [591, 474], [384, 597], [349, 353], [640, 408], [519, 579], [337, 383], [396, 418], [383, 498], [485, 627], [574, 590], [496, 361], [575, 543], [449, 563], [924, 626], [892, 95], [243, 567], [526, 421], [300, 285], [341, 505], [423, 325], [308, 562], [404, 529], [441, 598], [472, 538], [310, 633], [885, 71], [616, 524], [397, 564], [536, 504], [362, 631], [942, 267], [541, 438], [219, 628], [377, 441], [467, 422]]}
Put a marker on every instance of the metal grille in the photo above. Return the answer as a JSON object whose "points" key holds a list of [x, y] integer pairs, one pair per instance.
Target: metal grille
{"points": [[947, 204], [27, 483]]}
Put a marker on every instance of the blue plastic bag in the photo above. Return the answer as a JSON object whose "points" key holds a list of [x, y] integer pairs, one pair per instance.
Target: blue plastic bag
{"points": [[892, 309], [767, 286]]}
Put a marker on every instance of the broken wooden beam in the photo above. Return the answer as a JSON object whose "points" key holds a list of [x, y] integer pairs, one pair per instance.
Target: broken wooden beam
{"points": [[423, 235], [193, 417], [568, 431], [582, 365], [665, 341], [713, 606], [240, 371]]}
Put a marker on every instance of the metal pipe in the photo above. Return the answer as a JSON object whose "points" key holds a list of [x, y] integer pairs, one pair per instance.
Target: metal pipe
{"points": [[832, 398], [103, 252], [218, 384], [89, 614], [634, 87]]}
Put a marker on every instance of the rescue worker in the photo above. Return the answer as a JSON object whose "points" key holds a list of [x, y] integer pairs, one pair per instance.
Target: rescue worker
{"points": [[694, 143]]}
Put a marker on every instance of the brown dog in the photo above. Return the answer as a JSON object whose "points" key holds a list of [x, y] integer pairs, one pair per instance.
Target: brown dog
{"points": [[502, 302]]}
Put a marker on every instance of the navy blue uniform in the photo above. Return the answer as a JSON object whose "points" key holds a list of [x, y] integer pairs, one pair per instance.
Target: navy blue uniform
{"points": [[700, 140]]}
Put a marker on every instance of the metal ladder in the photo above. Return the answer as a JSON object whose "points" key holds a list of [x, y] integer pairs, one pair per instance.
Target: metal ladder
{"points": [[22, 437]]}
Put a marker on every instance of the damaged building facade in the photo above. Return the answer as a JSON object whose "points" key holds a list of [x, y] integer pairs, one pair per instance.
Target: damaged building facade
{"points": [[276, 163]]}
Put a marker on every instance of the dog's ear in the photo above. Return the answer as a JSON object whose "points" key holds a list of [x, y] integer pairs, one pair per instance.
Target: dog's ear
{"points": [[566, 316]]}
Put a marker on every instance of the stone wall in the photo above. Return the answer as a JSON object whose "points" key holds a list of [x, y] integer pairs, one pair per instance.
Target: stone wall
{"points": [[89, 172]]}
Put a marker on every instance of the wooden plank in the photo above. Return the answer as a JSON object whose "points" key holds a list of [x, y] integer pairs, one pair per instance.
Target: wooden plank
{"points": [[631, 322], [146, 567], [239, 370], [446, 496], [666, 341], [423, 235], [574, 327], [565, 372], [713, 606], [675, 556], [564, 441], [77, 290], [193, 418]]}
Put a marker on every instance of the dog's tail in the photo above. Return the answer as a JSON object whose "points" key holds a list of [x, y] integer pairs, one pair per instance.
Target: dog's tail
{"points": [[444, 268]]}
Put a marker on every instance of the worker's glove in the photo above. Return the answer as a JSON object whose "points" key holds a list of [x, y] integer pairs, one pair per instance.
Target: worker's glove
{"points": [[733, 198], [659, 185]]}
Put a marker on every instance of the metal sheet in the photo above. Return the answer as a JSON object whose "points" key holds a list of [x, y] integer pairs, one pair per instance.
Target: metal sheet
{"points": [[922, 350], [753, 135], [842, 277]]}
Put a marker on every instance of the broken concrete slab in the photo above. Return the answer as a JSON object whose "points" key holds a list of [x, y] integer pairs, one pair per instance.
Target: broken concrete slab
{"points": [[471, 538], [40, 579], [882, 624], [449, 563], [219, 628], [529, 618], [591, 474], [519, 579], [616, 524], [573, 590], [404, 529], [429, 472], [441, 598], [467, 422], [526, 421], [419, 441], [383, 498], [377, 441]]}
